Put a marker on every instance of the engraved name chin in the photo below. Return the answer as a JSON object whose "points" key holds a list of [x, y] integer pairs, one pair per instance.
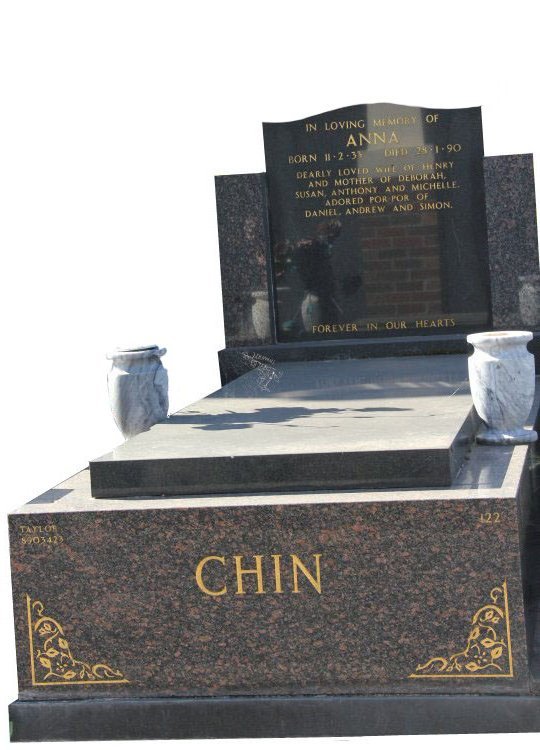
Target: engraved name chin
{"points": [[217, 575]]}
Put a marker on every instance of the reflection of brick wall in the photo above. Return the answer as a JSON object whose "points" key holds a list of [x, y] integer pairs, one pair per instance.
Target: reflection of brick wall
{"points": [[401, 266]]}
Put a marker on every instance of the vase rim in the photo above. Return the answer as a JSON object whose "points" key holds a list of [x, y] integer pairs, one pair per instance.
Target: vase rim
{"points": [[137, 352], [141, 348], [499, 337]]}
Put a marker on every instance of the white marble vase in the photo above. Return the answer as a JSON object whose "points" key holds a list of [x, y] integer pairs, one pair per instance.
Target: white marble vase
{"points": [[138, 388], [501, 374]]}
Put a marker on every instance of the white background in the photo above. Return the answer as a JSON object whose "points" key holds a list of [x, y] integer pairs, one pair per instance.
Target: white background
{"points": [[114, 117]]}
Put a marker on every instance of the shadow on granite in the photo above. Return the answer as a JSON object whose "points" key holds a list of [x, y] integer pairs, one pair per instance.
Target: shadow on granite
{"points": [[51, 496], [401, 423], [348, 380], [272, 415]]}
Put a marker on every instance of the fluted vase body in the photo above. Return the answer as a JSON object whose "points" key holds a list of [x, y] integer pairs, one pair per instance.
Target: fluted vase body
{"points": [[138, 388], [502, 379]]}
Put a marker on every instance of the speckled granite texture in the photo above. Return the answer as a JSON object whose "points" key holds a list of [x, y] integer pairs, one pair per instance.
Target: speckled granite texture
{"points": [[513, 241], [401, 584], [242, 212]]}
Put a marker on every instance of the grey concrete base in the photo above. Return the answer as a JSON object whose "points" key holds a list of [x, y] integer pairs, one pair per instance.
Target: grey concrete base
{"points": [[404, 422], [278, 716]]}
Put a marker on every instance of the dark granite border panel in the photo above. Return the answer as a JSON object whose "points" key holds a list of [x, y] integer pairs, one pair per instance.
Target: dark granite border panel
{"points": [[244, 248], [205, 718], [512, 241]]}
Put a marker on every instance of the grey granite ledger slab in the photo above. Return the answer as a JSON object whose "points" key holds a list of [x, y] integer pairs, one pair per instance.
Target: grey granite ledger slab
{"points": [[322, 425]]}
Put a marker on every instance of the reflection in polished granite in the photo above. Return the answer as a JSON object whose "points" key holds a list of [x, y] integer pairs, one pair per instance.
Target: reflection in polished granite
{"points": [[354, 247], [513, 265]]}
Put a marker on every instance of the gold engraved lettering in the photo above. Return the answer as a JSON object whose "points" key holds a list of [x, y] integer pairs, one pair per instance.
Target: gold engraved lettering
{"points": [[40, 535], [334, 328], [372, 138], [302, 158], [277, 573], [240, 572], [269, 572], [199, 576], [436, 323], [345, 125], [315, 581]]}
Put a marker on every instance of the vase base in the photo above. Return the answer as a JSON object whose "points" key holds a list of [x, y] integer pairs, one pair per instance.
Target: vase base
{"points": [[487, 436]]}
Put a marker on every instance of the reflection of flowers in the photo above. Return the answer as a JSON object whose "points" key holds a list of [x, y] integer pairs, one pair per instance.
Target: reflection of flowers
{"points": [[52, 658], [311, 259], [488, 648], [306, 255]]}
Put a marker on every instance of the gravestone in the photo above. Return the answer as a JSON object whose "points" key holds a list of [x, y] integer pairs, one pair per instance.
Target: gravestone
{"points": [[320, 547], [377, 230], [377, 219]]}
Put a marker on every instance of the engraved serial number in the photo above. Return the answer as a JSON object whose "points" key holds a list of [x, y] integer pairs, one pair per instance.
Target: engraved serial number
{"points": [[48, 534], [56, 539], [490, 517]]}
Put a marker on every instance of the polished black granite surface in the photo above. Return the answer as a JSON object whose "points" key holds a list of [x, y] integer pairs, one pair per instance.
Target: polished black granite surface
{"points": [[377, 222]]}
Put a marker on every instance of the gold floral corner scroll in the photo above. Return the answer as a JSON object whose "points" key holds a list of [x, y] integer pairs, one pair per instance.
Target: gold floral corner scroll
{"points": [[488, 652], [51, 659]]}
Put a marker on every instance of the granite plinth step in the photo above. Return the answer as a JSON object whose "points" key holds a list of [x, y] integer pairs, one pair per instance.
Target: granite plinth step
{"points": [[404, 422], [283, 716]]}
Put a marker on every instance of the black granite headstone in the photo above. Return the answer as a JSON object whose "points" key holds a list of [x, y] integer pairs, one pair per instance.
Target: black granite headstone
{"points": [[378, 223]]}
